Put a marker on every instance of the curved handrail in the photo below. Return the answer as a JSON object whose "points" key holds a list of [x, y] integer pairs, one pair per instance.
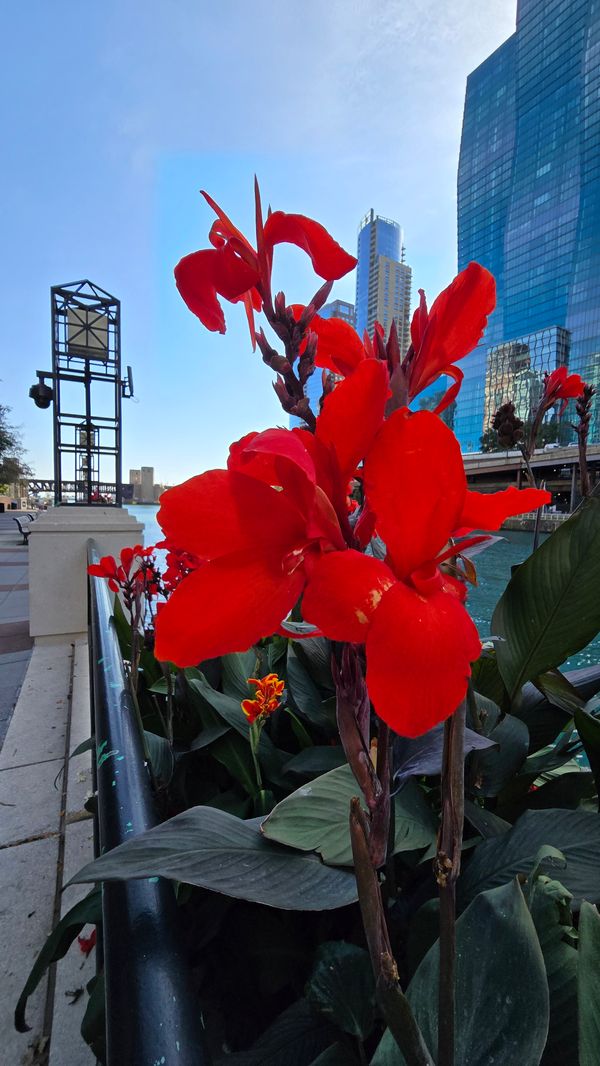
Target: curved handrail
{"points": [[151, 1013]]}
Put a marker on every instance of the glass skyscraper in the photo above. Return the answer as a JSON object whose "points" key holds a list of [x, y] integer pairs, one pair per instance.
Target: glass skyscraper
{"points": [[529, 208]]}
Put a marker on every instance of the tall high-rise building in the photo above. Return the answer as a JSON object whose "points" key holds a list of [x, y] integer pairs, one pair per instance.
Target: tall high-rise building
{"points": [[314, 386], [383, 279], [529, 207]]}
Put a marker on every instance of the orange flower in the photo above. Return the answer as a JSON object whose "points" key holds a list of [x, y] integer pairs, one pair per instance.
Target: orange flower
{"points": [[268, 691]]}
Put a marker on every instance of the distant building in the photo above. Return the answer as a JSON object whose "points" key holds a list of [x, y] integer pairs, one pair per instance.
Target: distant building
{"points": [[147, 485], [142, 482], [383, 279], [339, 309], [529, 207]]}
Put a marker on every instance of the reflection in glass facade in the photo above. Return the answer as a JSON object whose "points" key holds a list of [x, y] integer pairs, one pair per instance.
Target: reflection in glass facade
{"points": [[529, 203]]}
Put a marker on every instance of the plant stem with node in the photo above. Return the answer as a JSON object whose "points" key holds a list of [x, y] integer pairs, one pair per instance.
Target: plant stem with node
{"points": [[447, 869], [394, 1005]]}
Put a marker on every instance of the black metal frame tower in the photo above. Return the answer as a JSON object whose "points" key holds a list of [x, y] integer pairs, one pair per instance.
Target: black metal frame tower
{"points": [[86, 353]]}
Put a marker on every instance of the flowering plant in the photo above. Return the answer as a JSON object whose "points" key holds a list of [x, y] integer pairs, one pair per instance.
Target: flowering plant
{"points": [[320, 671]]}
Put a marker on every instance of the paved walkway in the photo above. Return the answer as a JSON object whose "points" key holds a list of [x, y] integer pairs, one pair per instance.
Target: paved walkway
{"points": [[45, 833], [15, 642]]}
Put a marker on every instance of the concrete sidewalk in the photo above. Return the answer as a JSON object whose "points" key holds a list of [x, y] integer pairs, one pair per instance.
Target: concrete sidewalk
{"points": [[45, 833]]}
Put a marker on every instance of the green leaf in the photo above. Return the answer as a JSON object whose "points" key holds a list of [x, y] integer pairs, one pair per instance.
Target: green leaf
{"points": [[501, 989], [207, 847], [559, 691], [485, 822], [229, 709], [234, 754], [575, 833], [551, 608], [549, 906], [588, 985], [341, 986], [588, 728], [494, 767], [208, 735], [161, 757], [306, 697], [295, 1038], [237, 668], [87, 911], [316, 760], [316, 818], [86, 745], [336, 1055], [486, 677], [93, 1023], [315, 655]]}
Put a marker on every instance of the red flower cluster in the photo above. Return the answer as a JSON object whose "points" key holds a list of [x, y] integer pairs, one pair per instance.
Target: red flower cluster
{"points": [[274, 525], [235, 270], [179, 564], [560, 385], [135, 567], [269, 689]]}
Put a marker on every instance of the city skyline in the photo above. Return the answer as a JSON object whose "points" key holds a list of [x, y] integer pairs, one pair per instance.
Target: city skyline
{"points": [[113, 194], [529, 209]]}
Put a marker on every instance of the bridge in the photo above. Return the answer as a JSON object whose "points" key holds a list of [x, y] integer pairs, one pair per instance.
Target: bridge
{"points": [[78, 489], [557, 466]]}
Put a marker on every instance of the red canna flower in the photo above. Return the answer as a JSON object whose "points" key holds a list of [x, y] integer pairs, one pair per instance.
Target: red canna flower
{"points": [[419, 639], [233, 269], [87, 943], [449, 331], [560, 385], [259, 526], [267, 699]]}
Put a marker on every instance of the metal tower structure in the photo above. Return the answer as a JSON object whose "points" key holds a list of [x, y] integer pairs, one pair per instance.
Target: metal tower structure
{"points": [[86, 391]]}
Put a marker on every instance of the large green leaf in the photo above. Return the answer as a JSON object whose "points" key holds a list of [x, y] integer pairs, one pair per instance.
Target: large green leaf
{"points": [[86, 911], [316, 760], [551, 607], [588, 727], [207, 847], [501, 989], [588, 985], [575, 833], [306, 696], [493, 767], [295, 1038], [234, 754], [341, 986], [161, 757], [227, 707], [549, 906], [237, 668], [316, 818]]}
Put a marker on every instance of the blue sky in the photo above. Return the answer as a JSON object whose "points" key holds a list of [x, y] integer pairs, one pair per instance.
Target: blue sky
{"points": [[114, 115]]}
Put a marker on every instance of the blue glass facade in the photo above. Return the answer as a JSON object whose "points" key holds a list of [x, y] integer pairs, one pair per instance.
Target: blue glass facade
{"points": [[529, 200]]}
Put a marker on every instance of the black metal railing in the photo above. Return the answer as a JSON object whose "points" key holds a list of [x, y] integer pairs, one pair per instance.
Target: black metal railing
{"points": [[151, 1012]]}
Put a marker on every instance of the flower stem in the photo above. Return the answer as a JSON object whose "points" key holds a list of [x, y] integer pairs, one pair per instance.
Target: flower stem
{"points": [[447, 868], [394, 1005], [255, 729]]}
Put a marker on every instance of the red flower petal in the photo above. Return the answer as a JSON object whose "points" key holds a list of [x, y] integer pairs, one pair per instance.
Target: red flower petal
{"points": [[353, 413], [278, 457], [225, 606], [415, 483], [455, 325], [202, 275], [225, 511], [344, 591], [487, 510], [328, 258], [419, 652], [560, 385], [340, 348]]}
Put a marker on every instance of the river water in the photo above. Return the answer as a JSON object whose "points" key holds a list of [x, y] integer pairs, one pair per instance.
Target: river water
{"points": [[493, 572]]}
